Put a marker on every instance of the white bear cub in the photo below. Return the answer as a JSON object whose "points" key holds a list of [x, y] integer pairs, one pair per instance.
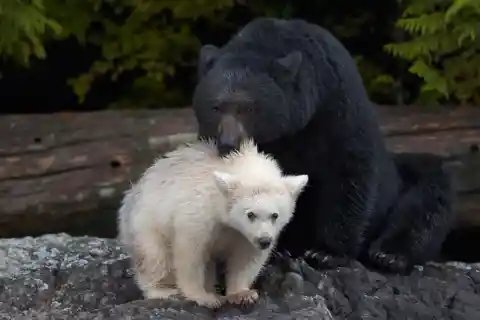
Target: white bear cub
{"points": [[192, 208]]}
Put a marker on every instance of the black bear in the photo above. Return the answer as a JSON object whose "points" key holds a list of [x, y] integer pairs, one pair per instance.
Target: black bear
{"points": [[296, 90]]}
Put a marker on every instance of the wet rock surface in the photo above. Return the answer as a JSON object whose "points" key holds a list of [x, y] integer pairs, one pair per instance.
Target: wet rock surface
{"points": [[63, 277]]}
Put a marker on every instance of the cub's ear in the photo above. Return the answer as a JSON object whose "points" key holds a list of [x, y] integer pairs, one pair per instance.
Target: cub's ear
{"points": [[295, 184], [225, 182], [286, 68], [206, 57]]}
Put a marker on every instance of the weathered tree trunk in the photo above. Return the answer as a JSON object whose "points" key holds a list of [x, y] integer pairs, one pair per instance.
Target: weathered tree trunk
{"points": [[68, 171]]}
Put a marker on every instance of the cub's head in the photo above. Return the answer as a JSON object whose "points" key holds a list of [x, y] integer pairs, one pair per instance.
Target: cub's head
{"points": [[244, 95], [260, 212]]}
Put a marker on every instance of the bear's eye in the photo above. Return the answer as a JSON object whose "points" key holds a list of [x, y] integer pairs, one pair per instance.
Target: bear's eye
{"points": [[274, 216], [251, 216], [250, 109], [216, 109]]}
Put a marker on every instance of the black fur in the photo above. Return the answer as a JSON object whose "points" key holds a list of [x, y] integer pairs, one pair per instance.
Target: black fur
{"points": [[295, 88], [421, 217]]}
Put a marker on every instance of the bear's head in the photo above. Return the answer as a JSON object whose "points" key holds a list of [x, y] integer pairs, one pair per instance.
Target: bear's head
{"points": [[259, 211], [244, 95]]}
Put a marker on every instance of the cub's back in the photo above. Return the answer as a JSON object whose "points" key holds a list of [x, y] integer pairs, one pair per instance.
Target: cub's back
{"points": [[181, 174], [178, 180]]}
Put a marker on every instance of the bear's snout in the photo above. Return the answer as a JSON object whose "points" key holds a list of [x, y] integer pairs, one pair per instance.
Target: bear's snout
{"points": [[263, 242], [230, 134]]}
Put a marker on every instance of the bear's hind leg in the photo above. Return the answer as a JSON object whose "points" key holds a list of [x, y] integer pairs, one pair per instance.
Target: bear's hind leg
{"points": [[415, 230]]}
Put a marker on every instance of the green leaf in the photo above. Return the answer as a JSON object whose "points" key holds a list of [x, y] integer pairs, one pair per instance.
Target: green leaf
{"points": [[443, 48], [384, 79], [433, 79], [459, 5], [81, 86]]}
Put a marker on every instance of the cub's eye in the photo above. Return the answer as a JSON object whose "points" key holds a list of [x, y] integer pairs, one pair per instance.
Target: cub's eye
{"points": [[274, 216], [216, 109], [250, 109], [251, 216]]}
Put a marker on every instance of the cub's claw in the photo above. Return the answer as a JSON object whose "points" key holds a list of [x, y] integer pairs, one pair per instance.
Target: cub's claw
{"points": [[243, 297]]}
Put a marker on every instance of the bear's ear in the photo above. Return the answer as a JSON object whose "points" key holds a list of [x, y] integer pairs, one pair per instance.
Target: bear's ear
{"points": [[295, 184], [208, 54], [225, 182], [286, 68]]}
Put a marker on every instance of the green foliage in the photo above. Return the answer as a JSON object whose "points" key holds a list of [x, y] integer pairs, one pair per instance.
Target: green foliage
{"points": [[152, 37], [23, 27], [444, 49], [156, 42], [272, 8], [376, 81]]}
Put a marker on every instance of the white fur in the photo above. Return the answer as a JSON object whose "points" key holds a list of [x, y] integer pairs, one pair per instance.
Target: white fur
{"points": [[190, 208]]}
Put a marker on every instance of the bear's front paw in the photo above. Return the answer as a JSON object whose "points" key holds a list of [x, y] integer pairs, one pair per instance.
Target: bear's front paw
{"points": [[323, 260], [389, 262], [243, 297], [208, 300]]}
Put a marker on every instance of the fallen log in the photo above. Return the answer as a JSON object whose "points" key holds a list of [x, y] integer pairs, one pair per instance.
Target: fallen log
{"points": [[67, 172]]}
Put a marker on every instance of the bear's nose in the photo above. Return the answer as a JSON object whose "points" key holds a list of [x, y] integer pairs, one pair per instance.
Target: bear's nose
{"points": [[226, 146], [264, 242]]}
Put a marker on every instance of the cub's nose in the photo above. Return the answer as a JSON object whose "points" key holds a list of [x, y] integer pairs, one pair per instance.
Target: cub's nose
{"points": [[264, 242]]}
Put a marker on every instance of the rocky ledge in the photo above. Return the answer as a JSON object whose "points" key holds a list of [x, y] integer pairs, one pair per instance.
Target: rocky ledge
{"points": [[63, 277]]}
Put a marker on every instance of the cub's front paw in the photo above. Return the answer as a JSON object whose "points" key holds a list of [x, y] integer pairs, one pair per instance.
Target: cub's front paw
{"points": [[208, 300], [243, 297], [161, 293]]}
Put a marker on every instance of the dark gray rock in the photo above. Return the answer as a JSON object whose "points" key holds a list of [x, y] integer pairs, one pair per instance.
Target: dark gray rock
{"points": [[61, 277]]}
